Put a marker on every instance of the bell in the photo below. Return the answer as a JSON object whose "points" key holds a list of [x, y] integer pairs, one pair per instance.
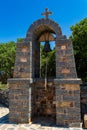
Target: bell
{"points": [[47, 47]]}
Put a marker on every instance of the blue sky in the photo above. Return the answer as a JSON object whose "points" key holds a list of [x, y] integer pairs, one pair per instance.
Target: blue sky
{"points": [[17, 15]]}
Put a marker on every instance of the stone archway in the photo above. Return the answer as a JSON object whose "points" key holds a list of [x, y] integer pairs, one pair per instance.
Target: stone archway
{"points": [[37, 31], [41, 106], [66, 96]]}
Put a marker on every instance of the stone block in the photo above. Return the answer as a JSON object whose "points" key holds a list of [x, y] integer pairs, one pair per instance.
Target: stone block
{"points": [[75, 124], [85, 120], [65, 71], [66, 104], [67, 81]]}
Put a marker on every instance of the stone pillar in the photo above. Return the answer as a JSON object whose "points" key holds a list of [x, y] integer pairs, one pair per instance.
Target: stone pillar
{"points": [[22, 61], [66, 85], [19, 86], [19, 100], [65, 63], [68, 102]]}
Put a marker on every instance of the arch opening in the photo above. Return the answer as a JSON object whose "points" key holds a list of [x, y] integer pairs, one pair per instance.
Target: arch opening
{"points": [[41, 35], [44, 96]]}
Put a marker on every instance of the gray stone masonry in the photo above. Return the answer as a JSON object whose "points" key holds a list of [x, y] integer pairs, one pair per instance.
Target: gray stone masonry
{"points": [[67, 101], [19, 100], [62, 96]]}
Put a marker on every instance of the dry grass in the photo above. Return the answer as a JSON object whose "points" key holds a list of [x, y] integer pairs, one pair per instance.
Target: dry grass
{"points": [[3, 86]]}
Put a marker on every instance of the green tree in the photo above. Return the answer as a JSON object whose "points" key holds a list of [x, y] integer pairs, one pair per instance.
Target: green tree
{"points": [[51, 66], [79, 40], [20, 39], [7, 59]]}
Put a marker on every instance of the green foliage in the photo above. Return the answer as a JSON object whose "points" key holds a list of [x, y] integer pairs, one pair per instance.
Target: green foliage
{"points": [[19, 39], [79, 39], [50, 63], [7, 57], [3, 86]]}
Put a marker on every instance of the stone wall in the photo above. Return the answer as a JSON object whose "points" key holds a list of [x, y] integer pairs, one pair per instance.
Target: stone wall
{"points": [[68, 102], [83, 100], [44, 99], [19, 100], [4, 97]]}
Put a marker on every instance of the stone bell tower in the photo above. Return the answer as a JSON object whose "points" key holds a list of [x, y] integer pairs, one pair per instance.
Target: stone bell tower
{"points": [[27, 96]]}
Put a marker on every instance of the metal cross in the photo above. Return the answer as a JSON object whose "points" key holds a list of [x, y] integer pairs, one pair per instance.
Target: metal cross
{"points": [[47, 13]]}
